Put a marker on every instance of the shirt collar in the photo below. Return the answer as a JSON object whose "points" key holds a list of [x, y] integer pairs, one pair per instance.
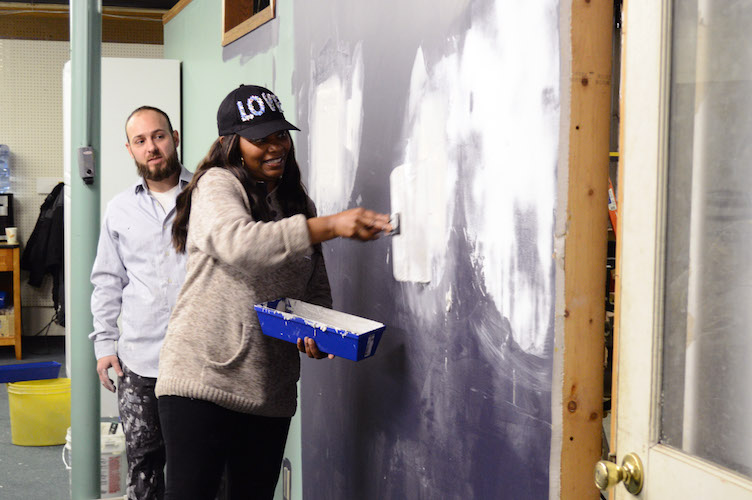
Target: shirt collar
{"points": [[183, 180]]}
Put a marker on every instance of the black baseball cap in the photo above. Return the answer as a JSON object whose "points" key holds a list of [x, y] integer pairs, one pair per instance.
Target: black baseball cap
{"points": [[252, 112]]}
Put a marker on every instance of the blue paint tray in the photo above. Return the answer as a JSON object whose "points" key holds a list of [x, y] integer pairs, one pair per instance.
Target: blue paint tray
{"points": [[29, 371], [335, 332]]}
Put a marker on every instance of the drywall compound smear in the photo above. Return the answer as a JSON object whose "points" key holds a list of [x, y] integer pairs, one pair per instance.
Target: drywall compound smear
{"points": [[422, 188], [491, 111], [511, 210], [336, 121], [325, 317]]}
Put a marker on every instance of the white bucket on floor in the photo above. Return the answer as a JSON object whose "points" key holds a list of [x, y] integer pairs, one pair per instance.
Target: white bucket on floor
{"points": [[114, 464]]}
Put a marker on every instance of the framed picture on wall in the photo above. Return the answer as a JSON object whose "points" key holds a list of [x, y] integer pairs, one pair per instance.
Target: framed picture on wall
{"points": [[243, 16]]}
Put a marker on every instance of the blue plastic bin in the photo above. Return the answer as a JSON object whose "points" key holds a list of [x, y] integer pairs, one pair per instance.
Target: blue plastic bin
{"points": [[338, 333], [29, 371]]}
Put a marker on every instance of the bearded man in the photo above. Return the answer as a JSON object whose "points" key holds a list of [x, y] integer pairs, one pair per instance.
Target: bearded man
{"points": [[137, 276]]}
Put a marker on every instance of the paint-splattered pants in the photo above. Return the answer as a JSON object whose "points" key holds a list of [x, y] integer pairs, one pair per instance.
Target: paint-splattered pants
{"points": [[143, 436]]}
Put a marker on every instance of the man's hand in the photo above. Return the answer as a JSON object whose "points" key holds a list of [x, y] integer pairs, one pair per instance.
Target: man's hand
{"points": [[103, 364]]}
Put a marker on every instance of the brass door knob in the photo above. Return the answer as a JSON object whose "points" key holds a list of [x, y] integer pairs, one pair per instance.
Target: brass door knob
{"points": [[608, 474]]}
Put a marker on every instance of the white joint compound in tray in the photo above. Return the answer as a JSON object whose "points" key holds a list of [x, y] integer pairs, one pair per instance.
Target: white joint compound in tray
{"points": [[323, 318]]}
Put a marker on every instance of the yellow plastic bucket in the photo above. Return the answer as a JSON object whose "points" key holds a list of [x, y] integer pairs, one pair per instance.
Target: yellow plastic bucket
{"points": [[39, 411]]}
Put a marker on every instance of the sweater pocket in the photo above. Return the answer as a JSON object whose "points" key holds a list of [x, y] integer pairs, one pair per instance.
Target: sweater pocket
{"points": [[237, 356]]}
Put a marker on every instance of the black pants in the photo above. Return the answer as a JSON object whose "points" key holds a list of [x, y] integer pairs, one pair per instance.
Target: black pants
{"points": [[203, 438], [144, 446]]}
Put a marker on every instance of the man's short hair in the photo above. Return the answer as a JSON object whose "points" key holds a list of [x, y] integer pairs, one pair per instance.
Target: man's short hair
{"points": [[147, 108]]}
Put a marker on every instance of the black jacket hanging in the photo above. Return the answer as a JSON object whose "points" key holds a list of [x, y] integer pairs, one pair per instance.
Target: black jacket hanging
{"points": [[43, 253]]}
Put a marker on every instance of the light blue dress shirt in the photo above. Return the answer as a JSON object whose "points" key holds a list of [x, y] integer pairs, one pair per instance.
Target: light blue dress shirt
{"points": [[136, 276]]}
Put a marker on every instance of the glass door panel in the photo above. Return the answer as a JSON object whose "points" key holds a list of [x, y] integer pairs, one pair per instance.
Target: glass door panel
{"points": [[707, 306]]}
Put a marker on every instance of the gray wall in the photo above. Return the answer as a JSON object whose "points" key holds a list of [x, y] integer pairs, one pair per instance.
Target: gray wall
{"points": [[457, 401]]}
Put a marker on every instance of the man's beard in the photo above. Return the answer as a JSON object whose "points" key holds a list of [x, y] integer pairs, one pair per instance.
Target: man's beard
{"points": [[171, 166]]}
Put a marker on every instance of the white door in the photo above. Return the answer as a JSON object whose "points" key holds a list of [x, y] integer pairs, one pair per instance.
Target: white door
{"points": [[684, 390]]}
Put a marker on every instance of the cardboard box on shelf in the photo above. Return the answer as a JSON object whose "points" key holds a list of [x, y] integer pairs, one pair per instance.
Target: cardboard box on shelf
{"points": [[7, 323]]}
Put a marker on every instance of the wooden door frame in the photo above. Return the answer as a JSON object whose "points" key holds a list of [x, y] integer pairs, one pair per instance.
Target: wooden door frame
{"points": [[587, 31]]}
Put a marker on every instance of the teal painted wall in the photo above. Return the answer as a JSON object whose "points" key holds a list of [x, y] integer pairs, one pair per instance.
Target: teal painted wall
{"points": [[209, 72], [264, 57]]}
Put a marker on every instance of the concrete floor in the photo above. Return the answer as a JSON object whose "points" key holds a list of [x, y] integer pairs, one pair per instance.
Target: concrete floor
{"points": [[35, 472], [31, 472]]}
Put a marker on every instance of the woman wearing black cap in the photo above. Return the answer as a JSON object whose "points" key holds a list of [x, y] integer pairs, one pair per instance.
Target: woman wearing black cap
{"points": [[227, 392]]}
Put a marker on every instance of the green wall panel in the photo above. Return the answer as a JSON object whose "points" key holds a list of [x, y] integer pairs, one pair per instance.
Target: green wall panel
{"points": [[209, 71]]}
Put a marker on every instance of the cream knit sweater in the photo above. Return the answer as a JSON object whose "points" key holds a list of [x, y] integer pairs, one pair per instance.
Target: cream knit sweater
{"points": [[214, 349]]}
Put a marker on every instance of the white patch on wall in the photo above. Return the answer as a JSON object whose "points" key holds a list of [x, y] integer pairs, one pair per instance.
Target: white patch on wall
{"points": [[492, 106], [336, 121], [420, 188]]}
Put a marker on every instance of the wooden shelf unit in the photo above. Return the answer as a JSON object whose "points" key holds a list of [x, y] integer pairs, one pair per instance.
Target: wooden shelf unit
{"points": [[10, 262]]}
